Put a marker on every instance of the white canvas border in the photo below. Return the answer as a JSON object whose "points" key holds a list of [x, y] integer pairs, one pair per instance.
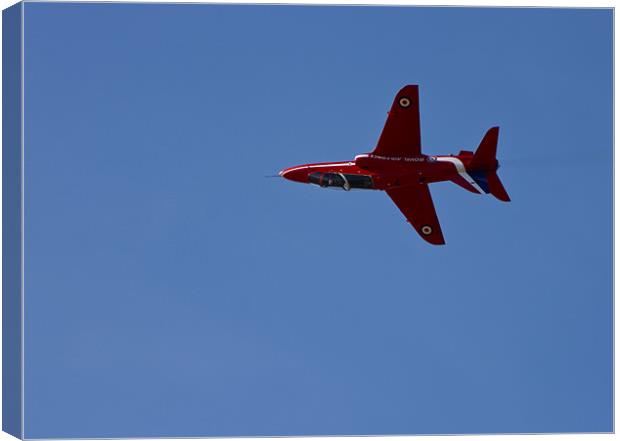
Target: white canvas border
{"points": [[479, 3]]}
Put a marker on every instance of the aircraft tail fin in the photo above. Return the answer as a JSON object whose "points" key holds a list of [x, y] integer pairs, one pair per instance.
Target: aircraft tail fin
{"points": [[485, 155], [484, 162]]}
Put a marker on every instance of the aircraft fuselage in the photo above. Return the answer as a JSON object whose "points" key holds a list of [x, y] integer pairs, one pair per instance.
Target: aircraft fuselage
{"points": [[376, 172]]}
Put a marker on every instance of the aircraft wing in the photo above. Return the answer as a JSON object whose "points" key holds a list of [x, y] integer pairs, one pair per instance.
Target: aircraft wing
{"points": [[401, 133], [416, 204]]}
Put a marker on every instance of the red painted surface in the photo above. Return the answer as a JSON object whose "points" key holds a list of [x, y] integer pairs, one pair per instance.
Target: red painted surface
{"points": [[398, 167]]}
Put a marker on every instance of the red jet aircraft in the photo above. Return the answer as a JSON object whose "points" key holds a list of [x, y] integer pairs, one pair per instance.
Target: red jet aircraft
{"points": [[398, 167]]}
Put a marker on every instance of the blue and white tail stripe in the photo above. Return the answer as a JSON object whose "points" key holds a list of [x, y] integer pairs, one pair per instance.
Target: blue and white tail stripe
{"points": [[479, 184], [481, 179]]}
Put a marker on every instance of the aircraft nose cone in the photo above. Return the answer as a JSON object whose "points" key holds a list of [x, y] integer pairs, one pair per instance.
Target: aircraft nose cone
{"points": [[297, 174]]}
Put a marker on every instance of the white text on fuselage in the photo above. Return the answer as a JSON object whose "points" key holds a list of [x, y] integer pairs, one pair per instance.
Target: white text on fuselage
{"points": [[407, 159]]}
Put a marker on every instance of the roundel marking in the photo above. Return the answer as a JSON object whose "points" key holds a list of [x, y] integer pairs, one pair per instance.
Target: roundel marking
{"points": [[404, 102], [426, 230]]}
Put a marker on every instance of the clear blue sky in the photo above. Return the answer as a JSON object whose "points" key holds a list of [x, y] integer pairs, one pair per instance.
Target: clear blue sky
{"points": [[172, 290]]}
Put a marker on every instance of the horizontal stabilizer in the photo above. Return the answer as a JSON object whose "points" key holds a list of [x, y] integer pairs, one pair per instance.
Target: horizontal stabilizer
{"points": [[496, 188]]}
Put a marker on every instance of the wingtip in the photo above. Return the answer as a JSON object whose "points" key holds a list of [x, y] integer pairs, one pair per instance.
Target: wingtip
{"points": [[409, 87], [440, 242]]}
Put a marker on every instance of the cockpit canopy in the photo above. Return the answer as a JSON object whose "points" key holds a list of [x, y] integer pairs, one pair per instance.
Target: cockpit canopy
{"points": [[341, 180]]}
